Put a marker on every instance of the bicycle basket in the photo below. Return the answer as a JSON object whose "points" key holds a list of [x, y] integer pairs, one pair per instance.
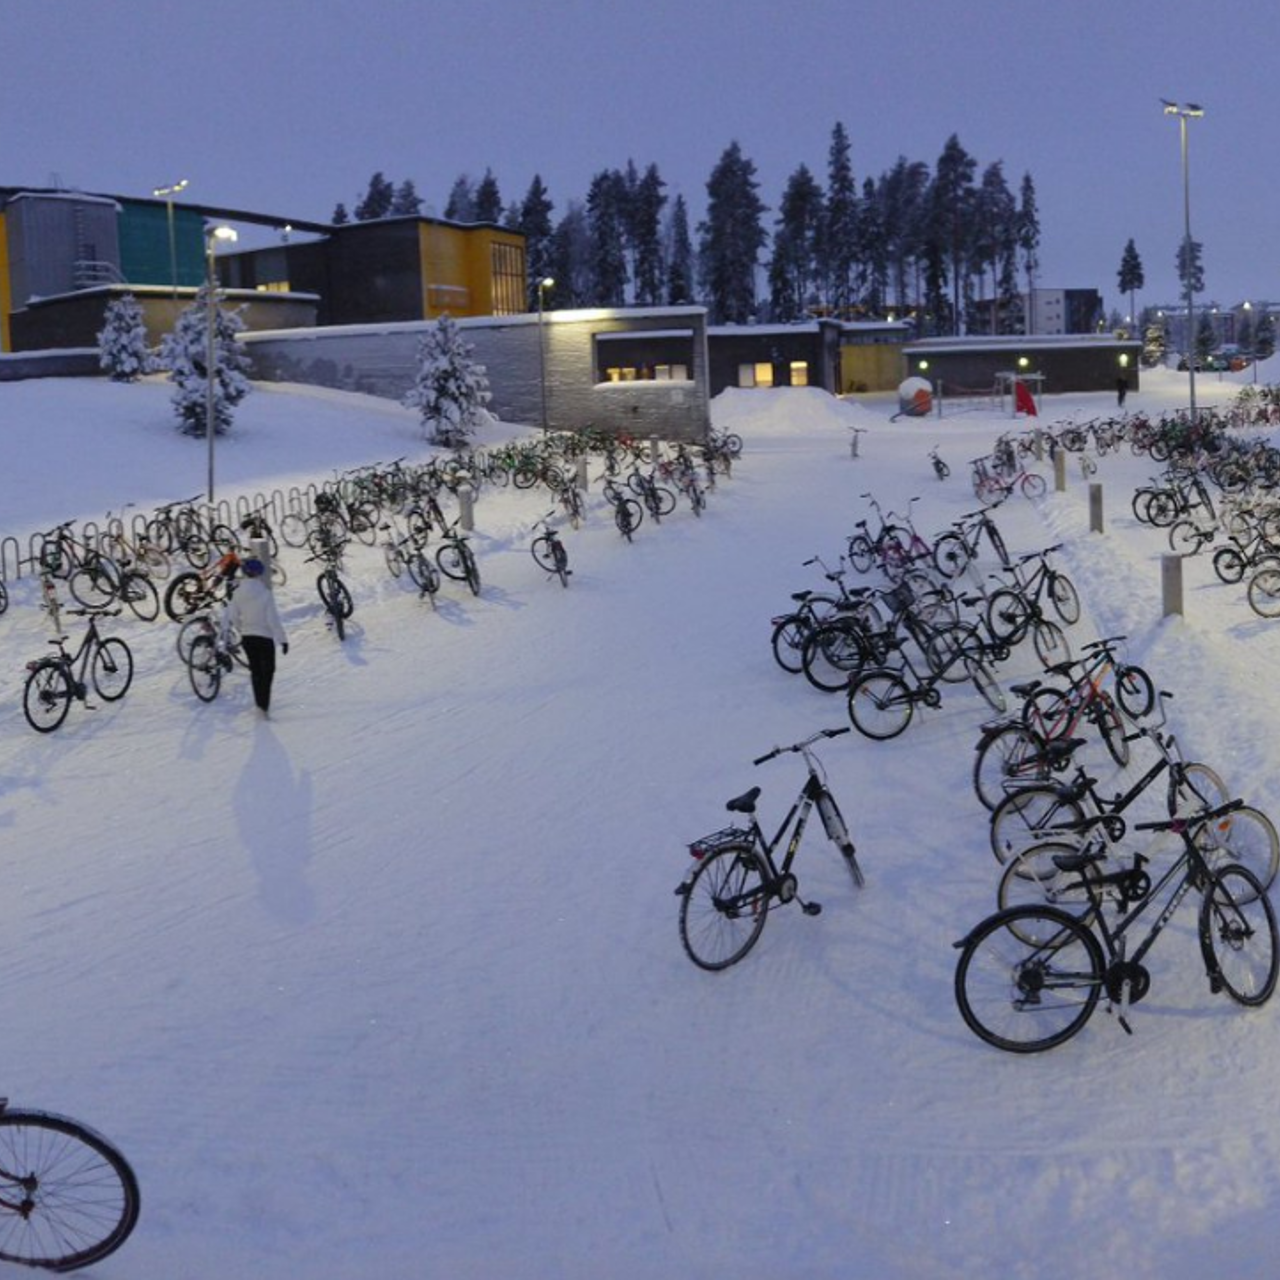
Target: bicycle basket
{"points": [[717, 840], [900, 598]]}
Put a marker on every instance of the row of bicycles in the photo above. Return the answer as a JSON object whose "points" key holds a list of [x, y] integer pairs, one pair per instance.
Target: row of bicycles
{"points": [[1089, 881]]}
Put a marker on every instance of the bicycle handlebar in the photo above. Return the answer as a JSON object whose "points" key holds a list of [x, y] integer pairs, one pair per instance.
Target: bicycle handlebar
{"points": [[800, 746]]}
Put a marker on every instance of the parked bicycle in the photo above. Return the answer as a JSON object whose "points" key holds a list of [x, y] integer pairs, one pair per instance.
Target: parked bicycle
{"points": [[725, 900], [68, 1197], [54, 681], [456, 560], [1030, 977], [548, 551]]}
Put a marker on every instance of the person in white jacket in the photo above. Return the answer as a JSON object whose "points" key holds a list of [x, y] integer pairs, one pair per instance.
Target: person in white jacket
{"points": [[252, 612]]}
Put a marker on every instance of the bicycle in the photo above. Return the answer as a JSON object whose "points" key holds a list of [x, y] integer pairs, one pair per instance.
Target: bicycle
{"points": [[456, 560], [68, 1197], [725, 900], [956, 549], [211, 653], [940, 468], [334, 593], [407, 553], [125, 549], [1056, 713], [54, 681], [548, 551], [1030, 977], [92, 577], [1017, 609], [627, 512], [855, 433], [882, 701]]}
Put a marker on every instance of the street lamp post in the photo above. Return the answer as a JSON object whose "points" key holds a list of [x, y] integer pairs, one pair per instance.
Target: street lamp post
{"points": [[1185, 112], [543, 285], [211, 236], [168, 193]]}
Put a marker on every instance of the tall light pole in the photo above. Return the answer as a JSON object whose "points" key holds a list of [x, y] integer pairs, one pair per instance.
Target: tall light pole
{"points": [[1185, 112], [543, 285], [211, 236], [167, 194]]}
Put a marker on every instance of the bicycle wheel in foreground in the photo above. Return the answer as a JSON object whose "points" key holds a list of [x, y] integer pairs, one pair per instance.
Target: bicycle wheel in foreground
{"points": [[723, 908], [1028, 978], [79, 1196], [1238, 937]]}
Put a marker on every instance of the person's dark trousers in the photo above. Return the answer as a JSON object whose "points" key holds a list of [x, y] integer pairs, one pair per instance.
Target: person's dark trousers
{"points": [[261, 652]]}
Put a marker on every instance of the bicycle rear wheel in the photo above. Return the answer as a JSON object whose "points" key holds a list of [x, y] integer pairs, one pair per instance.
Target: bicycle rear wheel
{"points": [[880, 705], [1007, 757], [46, 698], [1032, 815], [723, 908], [1026, 996], [1238, 937], [80, 1197]]}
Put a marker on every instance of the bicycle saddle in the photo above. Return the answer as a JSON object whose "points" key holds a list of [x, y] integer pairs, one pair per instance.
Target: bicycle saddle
{"points": [[745, 803]]}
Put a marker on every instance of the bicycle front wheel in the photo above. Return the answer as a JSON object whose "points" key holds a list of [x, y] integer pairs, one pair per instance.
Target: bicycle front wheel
{"points": [[543, 550], [1245, 837], [139, 593], [1064, 597], [1134, 691], [1027, 996], [203, 669], [1264, 593], [112, 669], [79, 1196], [723, 908], [1238, 937]]}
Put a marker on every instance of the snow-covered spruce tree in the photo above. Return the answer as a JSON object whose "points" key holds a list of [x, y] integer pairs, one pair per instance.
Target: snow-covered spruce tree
{"points": [[451, 389], [122, 340], [184, 353]]}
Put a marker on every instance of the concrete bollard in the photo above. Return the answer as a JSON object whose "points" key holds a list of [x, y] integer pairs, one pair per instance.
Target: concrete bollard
{"points": [[1171, 584], [1095, 509], [582, 474], [655, 449], [1059, 471], [467, 507]]}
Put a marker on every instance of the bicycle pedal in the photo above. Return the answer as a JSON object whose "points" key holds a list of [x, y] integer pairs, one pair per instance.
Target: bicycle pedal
{"points": [[811, 908]]}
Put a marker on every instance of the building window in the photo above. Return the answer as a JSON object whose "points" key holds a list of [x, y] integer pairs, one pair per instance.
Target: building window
{"points": [[509, 286], [273, 286], [799, 373], [759, 374]]}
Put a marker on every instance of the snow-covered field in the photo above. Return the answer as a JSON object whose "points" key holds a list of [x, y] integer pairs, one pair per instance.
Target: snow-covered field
{"points": [[390, 986]]}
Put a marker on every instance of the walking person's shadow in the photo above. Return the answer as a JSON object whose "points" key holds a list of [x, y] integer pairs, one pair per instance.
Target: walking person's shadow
{"points": [[273, 816]]}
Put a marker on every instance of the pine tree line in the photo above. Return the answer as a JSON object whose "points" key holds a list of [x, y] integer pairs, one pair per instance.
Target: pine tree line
{"points": [[954, 247]]}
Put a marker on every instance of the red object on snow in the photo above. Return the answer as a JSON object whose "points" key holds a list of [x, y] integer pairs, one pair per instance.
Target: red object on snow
{"points": [[1023, 400]]}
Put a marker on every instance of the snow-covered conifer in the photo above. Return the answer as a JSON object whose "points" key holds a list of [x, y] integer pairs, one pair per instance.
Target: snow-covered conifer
{"points": [[451, 389], [122, 340], [185, 354]]}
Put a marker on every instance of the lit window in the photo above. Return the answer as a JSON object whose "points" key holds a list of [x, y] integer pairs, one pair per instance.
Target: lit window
{"points": [[799, 373], [764, 374], [746, 375]]}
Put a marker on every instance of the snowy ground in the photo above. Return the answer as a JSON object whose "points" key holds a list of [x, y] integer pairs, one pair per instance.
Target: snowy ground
{"points": [[391, 985]]}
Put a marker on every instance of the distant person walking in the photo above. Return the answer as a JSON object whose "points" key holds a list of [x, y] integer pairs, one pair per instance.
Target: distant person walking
{"points": [[1122, 390], [253, 613]]}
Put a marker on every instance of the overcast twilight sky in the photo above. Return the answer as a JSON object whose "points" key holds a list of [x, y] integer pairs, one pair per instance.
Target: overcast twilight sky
{"points": [[288, 106]]}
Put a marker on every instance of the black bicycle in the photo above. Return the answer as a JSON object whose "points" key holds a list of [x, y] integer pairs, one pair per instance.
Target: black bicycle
{"points": [[725, 900], [456, 560], [55, 681], [548, 551], [68, 1197], [1030, 977]]}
